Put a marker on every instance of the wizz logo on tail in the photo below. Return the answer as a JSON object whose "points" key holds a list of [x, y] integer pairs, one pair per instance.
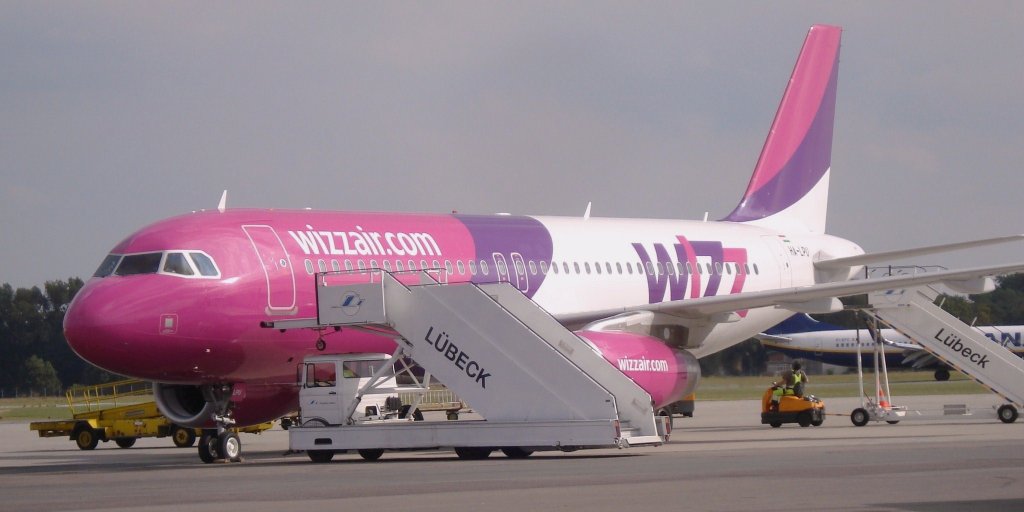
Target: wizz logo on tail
{"points": [[681, 276]]}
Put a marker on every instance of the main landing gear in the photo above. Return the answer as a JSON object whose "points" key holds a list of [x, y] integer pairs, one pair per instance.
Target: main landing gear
{"points": [[220, 443]]}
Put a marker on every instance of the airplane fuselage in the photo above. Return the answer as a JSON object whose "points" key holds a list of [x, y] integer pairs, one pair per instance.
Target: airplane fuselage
{"points": [[158, 324]]}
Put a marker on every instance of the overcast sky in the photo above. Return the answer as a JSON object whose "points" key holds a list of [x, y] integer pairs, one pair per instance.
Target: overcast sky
{"points": [[114, 115]]}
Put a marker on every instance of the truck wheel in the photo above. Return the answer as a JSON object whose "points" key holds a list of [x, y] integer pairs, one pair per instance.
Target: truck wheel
{"points": [[473, 452], [371, 454], [775, 424], [320, 456], [183, 437], [231, 447], [516, 452], [85, 437], [125, 442], [209, 447], [804, 419], [859, 417], [1007, 413]]}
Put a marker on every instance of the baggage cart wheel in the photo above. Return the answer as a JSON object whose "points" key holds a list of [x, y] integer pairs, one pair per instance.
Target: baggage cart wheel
{"points": [[859, 417], [183, 437], [85, 437]]}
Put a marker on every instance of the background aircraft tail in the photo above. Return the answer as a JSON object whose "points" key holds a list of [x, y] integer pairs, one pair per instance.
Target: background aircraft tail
{"points": [[801, 322], [789, 188]]}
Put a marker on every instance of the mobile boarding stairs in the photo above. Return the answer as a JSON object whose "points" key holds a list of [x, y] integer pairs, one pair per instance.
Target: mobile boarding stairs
{"points": [[913, 312], [537, 385]]}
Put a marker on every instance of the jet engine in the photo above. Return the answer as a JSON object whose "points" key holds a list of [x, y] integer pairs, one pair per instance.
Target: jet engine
{"points": [[196, 405], [667, 374]]}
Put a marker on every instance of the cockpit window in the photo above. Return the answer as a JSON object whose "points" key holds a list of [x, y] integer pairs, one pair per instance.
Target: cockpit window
{"points": [[177, 264], [108, 265], [204, 264], [183, 263], [148, 263]]}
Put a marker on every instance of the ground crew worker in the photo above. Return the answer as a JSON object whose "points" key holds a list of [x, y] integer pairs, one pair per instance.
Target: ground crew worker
{"points": [[799, 379], [781, 389]]}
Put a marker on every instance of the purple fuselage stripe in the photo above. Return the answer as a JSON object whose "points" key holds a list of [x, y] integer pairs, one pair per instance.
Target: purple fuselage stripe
{"points": [[512, 237]]}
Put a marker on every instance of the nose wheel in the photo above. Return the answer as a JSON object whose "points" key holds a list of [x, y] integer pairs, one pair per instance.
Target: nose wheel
{"points": [[220, 443]]}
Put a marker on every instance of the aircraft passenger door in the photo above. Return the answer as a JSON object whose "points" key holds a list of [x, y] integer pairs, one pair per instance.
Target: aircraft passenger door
{"points": [[277, 269], [522, 281], [780, 265], [500, 267]]}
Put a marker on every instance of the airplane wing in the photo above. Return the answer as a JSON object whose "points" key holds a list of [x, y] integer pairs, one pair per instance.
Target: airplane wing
{"points": [[880, 257], [809, 299]]}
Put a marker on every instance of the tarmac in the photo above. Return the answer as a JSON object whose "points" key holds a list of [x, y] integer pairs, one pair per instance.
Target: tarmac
{"points": [[721, 459]]}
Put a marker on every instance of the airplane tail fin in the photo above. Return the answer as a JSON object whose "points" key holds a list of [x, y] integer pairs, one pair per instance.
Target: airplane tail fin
{"points": [[798, 323], [789, 187]]}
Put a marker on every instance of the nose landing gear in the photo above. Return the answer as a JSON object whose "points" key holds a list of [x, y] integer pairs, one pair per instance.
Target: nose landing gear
{"points": [[220, 443]]}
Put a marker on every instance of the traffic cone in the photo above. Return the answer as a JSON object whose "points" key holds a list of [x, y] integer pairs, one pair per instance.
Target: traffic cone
{"points": [[882, 401]]}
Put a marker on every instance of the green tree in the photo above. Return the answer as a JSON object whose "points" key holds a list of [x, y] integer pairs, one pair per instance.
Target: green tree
{"points": [[38, 375]]}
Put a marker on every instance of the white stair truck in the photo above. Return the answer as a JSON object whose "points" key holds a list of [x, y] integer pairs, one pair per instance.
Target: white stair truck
{"points": [[535, 384]]}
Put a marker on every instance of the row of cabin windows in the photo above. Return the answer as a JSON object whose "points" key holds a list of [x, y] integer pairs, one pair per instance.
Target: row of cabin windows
{"points": [[483, 268]]}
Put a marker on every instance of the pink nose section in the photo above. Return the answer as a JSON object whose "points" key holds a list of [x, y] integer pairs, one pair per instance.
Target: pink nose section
{"points": [[89, 327]]}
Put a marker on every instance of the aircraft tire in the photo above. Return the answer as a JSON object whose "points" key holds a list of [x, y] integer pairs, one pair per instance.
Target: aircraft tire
{"points": [[1007, 413], [231, 447], [942, 375], [859, 417], [209, 448]]}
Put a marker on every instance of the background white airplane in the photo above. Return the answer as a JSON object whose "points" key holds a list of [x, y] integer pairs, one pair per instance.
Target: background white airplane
{"points": [[802, 337]]}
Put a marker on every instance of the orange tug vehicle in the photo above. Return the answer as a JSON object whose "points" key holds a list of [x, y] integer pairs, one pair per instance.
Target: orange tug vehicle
{"points": [[807, 410]]}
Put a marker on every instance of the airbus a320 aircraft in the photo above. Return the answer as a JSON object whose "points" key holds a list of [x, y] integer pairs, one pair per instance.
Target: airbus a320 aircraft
{"points": [[180, 302], [801, 336]]}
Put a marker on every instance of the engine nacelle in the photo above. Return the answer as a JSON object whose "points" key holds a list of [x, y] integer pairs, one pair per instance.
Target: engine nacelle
{"points": [[194, 406], [667, 374]]}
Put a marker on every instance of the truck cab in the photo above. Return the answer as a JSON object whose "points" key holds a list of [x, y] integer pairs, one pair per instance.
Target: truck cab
{"points": [[343, 389]]}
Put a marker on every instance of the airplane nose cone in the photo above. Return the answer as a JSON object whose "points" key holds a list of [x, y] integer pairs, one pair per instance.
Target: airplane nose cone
{"points": [[95, 329]]}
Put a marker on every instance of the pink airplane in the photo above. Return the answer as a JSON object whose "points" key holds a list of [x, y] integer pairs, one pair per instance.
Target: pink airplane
{"points": [[181, 302]]}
